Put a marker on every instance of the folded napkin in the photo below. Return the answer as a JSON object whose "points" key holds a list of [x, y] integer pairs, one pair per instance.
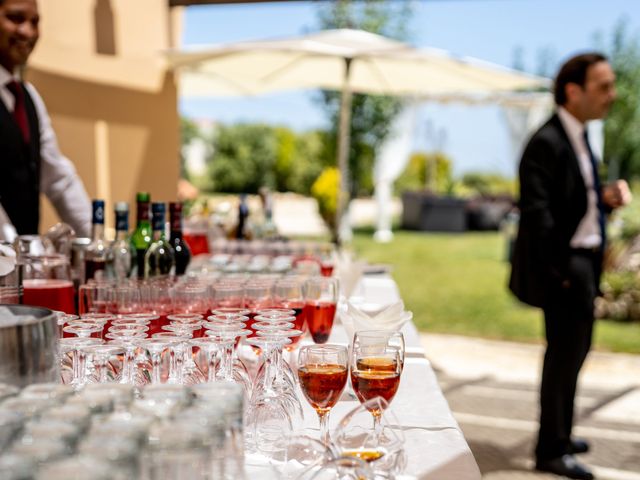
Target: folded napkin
{"points": [[360, 317], [348, 271]]}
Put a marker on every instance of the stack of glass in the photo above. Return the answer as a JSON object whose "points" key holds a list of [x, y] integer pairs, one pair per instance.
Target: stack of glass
{"points": [[49, 431]]}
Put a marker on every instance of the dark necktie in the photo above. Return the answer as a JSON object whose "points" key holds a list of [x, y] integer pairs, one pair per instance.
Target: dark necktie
{"points": [[19, 110], [597, 187]]}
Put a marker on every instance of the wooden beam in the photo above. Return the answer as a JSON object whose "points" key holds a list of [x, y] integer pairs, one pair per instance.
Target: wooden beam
{"points": [[186, 3]]}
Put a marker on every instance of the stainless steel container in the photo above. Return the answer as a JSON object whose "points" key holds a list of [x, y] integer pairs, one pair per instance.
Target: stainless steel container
{"points": [[28, 345]]}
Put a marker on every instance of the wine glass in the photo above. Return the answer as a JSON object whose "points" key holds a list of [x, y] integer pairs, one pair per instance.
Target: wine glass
{"points": [[376, 365], [322, 371], [379, 339], [321, 296], [288, 293]]}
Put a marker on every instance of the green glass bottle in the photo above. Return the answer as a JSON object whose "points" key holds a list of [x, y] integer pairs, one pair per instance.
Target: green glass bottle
{"points": [[141, 237]]}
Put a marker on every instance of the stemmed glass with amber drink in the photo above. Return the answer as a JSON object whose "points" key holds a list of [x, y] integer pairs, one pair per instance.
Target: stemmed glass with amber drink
{"points": [[322, 371], [377, 358]]}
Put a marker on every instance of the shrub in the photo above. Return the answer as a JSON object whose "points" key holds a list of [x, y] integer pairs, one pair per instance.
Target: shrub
{"points": [[325, 190]]}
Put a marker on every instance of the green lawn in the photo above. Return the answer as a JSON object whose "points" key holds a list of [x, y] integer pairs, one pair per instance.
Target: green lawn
{"points": [[456, 283]]}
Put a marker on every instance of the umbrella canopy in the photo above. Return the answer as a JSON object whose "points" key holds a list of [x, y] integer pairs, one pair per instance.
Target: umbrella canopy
{"points": [[378, 65], [345, 60]]}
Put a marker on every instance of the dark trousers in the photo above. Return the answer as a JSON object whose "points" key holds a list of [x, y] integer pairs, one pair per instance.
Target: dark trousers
{"points": [[568, 320]]}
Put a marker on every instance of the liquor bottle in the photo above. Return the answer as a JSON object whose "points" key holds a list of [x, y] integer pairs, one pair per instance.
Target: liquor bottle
{"points": [[180, 247], [95, 259], [160, 257], [122, 256], [141, 237]]}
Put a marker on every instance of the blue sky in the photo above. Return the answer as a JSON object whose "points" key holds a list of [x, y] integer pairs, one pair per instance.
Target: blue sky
{"points": [[475, 137]]}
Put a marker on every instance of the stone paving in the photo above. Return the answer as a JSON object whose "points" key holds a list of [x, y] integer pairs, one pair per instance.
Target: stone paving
{"points": [[492, 389]]}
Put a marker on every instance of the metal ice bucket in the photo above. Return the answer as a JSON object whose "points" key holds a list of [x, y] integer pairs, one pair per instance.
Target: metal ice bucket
{"points": [[28, 345]]}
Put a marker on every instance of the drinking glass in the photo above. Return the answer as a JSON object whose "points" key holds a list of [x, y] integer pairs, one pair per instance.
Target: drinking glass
{"points": [[191, 297], [381, 448], [321, 296], [101, 355], [47, 282], [74, 346], [227, 295], [155, 347], [288, 293], [94, 297], [322, 371], [381, 339], [376, 366], [257, 296]]}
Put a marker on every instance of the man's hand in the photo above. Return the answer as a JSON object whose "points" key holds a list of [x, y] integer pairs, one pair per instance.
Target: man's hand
{"points": [[616, 194]]}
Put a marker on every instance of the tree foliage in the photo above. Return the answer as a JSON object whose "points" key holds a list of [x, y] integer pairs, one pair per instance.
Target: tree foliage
{"points": [[371, 115], [426, 171], [248, 156], [188, 132], [622, 128]]}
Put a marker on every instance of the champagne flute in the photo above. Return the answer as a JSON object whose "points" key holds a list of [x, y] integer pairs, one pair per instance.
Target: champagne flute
{"points": [[322, 371]]}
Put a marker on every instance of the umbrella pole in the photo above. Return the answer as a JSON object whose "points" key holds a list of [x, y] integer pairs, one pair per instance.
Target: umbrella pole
{"points": [[343, 232]]}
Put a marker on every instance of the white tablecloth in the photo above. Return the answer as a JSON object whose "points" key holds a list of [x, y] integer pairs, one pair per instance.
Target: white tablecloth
{"points": [[435, 446]]}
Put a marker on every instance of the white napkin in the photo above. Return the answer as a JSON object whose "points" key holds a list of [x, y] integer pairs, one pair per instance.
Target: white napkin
{"points": [[348, 271], [369, 317]]}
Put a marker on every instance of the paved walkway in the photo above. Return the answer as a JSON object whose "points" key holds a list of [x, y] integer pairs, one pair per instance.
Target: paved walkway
{"points": [[492, 389]]}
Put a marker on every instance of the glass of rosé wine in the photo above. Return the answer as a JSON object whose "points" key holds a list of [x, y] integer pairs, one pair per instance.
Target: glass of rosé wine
{"points": [[321, 297]]}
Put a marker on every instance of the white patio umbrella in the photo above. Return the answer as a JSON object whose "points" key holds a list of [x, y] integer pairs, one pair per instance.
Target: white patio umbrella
{"points": [[344, 60]]}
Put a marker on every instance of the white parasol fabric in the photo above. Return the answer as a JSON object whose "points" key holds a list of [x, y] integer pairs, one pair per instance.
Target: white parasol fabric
{"points": [[344, 60]]}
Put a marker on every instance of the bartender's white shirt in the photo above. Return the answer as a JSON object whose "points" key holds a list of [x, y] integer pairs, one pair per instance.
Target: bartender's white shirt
{"points": [[587, 234], [59, 180]]}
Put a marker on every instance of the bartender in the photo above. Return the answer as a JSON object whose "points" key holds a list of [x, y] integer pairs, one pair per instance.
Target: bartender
{"points": [[30, 159]]}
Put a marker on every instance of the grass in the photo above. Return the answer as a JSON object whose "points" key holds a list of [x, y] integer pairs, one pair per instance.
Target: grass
{"points": [[456, 283]]}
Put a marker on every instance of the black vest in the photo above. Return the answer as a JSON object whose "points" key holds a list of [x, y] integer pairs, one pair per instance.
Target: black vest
{"points": [[20, 169]]}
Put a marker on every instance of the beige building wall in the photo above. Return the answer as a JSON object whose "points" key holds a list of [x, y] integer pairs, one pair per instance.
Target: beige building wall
{"points": [[100, 69]]}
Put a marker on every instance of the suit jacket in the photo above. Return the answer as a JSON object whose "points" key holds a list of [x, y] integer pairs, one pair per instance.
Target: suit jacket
{"points": [[553, 200]]}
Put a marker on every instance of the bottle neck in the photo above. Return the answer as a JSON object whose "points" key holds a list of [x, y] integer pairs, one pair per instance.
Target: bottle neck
{"points": [[158, 228], [143, 214], [121, 235], [176, 225], [97, 232], [158, 235]]}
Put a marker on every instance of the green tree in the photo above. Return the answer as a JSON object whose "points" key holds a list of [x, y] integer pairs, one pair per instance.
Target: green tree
{"points": [[243, 159], [188, 132], [622, 128], [426, 171], [371, 115], [248, 156]]}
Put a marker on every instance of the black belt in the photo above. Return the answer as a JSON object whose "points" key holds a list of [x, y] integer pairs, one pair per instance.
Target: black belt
{"points": [[587, 252]]}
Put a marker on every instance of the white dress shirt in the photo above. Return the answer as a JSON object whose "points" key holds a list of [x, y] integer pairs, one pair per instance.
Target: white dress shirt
{"points": [[59, 180], [587, 234]]}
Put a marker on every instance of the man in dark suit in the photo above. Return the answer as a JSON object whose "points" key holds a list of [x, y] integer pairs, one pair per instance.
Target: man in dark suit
{"points": [[557, 258]]}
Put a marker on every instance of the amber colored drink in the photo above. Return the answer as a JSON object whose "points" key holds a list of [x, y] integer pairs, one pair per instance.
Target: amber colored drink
{"points": [[368, 384], [319, 317], [366, 455], [323, 384], [49, 293], [376, 364]]}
